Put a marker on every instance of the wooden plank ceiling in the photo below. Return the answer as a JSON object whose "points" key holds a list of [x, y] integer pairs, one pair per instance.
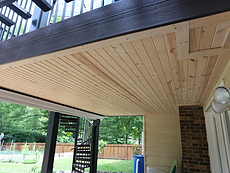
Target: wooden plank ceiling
{"points": [[150, 72]]}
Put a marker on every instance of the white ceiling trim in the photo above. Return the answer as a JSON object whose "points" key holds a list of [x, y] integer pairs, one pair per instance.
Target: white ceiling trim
{"points": [[16, 98]]}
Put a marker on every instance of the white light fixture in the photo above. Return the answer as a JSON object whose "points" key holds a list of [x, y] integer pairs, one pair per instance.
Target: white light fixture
{"points": [[221, 99], [12, 97]]}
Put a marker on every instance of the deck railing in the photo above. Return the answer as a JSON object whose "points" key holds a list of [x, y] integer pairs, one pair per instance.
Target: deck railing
{"points": [[36, 18], [20, 25]]}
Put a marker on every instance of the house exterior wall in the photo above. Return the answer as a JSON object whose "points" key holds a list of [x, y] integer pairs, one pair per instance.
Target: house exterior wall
{"points": [[195, 155], [162, 141], [217, 121]]}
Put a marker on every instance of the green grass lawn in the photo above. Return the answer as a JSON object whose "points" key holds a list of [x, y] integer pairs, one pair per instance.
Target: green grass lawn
{"points": [[110, 165], [64, 164]]}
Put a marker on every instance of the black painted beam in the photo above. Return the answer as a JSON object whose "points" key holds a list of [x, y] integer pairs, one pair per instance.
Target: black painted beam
{"points": [[19, 10], [122, 17], [94, 146], [6, 20], [48, 159]]}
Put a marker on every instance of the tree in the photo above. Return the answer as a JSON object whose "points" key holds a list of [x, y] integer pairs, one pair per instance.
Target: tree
{"points": [[26, 124], [22, 123], [121, 129]]}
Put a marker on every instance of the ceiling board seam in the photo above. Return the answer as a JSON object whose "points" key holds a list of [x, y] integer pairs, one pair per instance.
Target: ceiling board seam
{"points": [[202, 81], [205, 90], [174, 53], [158, 93], [135, 47], [147, 42], [164, 83], [116, 99], [73, 90], [173, 79], [226, 36], [114, 76], [136, 70]]}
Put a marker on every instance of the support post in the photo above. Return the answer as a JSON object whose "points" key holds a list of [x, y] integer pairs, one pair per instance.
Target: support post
{"points": [[48, 159], [94, 147]]}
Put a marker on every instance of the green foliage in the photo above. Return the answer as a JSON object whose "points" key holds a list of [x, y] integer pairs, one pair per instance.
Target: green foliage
{"points": [[121, 129], [26, 124], [135, 149], [30, 155], [64, 137], [58, 19], [25, 149], [35, 169], [21, 123], [30, 161], [101, 145], [24, 136]]}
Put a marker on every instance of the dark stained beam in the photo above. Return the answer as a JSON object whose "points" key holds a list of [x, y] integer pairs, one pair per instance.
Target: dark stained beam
{"points": [[48, 159], [94, 146], [123, 17]]}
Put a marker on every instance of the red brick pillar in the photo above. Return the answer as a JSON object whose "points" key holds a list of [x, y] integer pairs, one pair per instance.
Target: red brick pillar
{"points": [[195, 156]]}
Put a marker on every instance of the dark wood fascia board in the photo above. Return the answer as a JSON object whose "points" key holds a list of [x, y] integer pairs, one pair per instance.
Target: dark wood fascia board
{"points": [[123, 17]]}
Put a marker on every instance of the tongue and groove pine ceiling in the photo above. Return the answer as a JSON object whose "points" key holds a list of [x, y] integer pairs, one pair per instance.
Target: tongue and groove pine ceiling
{"points": [[148, 72]]}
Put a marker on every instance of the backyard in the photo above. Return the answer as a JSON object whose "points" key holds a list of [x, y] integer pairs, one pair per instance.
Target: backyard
{"points": [[23, 143], [64, 164]]}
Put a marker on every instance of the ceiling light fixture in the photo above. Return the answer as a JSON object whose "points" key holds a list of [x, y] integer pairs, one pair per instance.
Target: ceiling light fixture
{"points": [[221, 99]]}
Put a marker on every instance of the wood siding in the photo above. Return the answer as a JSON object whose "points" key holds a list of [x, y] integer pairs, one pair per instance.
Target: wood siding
{"points": [[162, 141], [216, 124]]}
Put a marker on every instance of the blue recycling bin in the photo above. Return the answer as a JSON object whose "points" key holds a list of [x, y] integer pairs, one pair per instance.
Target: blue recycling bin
{"points": [[138, 164]]}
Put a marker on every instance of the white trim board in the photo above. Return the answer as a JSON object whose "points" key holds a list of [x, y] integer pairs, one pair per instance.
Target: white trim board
{"points": [[16, 98]]}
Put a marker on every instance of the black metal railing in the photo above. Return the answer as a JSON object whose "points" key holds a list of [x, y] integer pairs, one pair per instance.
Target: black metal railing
{"points": [[82, 157], [82, 147], [32, 16], [20, 24], [85, 130]]}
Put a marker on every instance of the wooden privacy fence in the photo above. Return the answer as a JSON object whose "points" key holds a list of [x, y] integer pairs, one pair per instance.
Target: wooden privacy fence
{"points": [[118, 151], [111, 151], [60, 147]]}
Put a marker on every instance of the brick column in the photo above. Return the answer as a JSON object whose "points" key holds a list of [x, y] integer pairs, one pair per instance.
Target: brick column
{"points": [[195, 156]]}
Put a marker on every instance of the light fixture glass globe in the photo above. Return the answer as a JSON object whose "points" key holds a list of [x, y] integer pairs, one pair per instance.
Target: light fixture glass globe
{"points": [[221, 95]]}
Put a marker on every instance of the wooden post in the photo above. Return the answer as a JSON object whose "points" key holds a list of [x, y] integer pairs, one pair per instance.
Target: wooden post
{"points": [[126, 151], [48, 159]]}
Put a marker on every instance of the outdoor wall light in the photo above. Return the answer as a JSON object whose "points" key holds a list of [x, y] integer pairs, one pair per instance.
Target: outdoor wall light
{"points": [[221, 99]]}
